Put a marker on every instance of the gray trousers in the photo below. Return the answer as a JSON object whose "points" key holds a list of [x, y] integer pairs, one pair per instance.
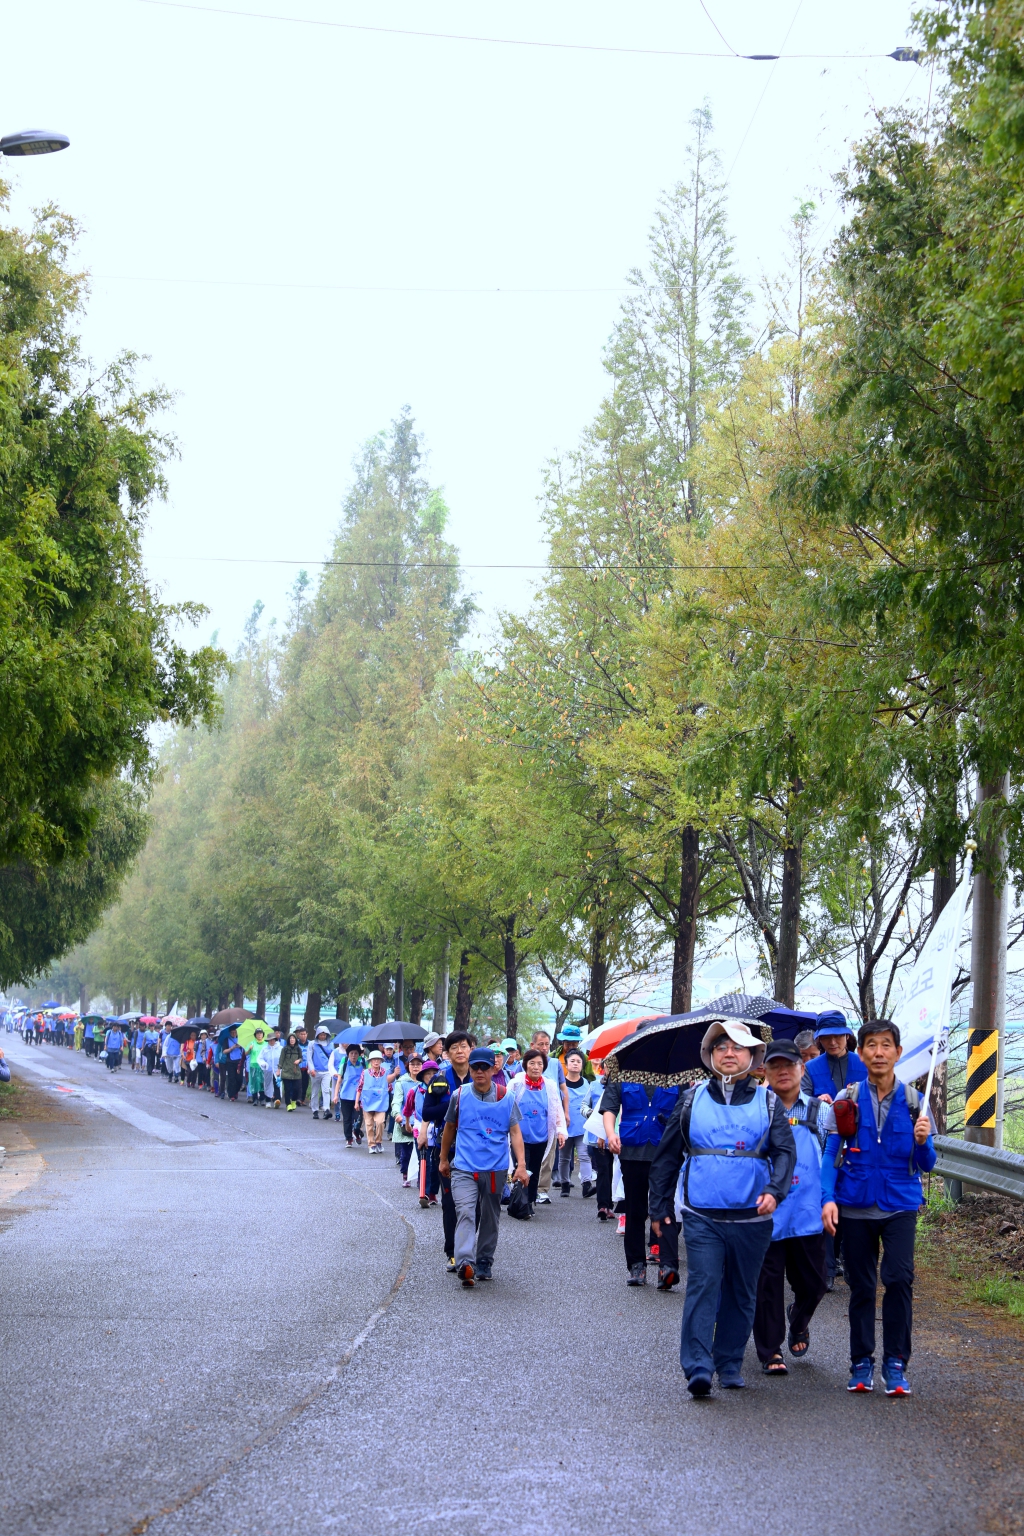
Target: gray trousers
{"points": [[473, 1193], [565, 1156]]}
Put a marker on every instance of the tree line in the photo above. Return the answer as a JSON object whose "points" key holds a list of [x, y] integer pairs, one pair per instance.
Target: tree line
{"points": [[777, 644]]}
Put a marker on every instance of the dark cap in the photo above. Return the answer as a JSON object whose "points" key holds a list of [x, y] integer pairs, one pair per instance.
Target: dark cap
{"points": [[481, 1057], [782, 1050]]}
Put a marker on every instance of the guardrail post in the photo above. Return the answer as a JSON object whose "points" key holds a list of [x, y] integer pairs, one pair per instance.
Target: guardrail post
{"points": [[954, 1189], [984, 1119]]}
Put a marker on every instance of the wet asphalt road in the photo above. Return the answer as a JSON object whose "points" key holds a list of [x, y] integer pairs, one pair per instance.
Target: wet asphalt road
{"points": [[218, 1319]]}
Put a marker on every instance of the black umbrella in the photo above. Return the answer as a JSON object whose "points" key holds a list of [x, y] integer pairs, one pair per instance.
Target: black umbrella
{"points": [[394, 1031], [183, 1032], [671, 1045]]}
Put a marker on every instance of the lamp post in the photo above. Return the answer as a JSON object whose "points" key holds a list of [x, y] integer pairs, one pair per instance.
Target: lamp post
{"points": [[33, 141]]}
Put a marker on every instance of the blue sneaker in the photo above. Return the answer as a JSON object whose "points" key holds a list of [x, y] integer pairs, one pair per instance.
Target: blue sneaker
{"points": [[732, 1380], [862, 1376], [699, 1384], [895, 1377]]}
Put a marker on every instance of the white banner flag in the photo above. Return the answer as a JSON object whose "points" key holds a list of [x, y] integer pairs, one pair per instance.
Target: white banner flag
{"points": [[923, 1010]]}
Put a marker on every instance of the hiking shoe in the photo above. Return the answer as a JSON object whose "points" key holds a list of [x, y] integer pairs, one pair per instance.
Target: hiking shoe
{"points": [[424, 1202], [895, 1377], [450, 1265], [291, 1106], [484, 1274], [316, 1114], [588, 1189], [699, 1384], [731, 1380], [566, 1191], [637, 1274], [467, 1276], [667, 1277], [862, 1376], [543, 1200]]}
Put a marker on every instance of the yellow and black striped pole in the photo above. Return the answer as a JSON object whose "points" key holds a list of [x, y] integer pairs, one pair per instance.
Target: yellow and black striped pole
{"points": [[982, 1083]]}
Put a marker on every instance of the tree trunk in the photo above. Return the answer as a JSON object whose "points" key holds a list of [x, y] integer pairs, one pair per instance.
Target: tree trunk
{"points": [[511, 982], [311, 1017], [416, 997], [224, 1000], [686, 923], [598, 978], [239, 995], [789, 924], [261, 1000], [381, 988], [463, 996], [190, 1010], [400, 991], [83, 999], [142, 1005], [441, 993], [284, 1010]]}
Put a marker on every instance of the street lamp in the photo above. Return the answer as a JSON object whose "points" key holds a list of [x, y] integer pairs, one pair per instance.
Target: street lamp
{"points": [[33, 141]]}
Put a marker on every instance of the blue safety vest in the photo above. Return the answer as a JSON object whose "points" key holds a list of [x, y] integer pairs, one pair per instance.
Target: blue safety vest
{"points": [[727, 1167], [533, 1106], [374, 1093], [482, 1142], [579, 1105], [881, 1170], [321, 1057], [115, 1040], [643, 1120], [350, 1082], [799, 1214]]}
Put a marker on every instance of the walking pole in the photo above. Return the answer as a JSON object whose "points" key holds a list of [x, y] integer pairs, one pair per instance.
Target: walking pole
{"points": [[423, 1170]]}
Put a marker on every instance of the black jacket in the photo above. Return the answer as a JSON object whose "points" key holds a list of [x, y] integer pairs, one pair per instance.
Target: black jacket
{"points": [[673, 1147]]}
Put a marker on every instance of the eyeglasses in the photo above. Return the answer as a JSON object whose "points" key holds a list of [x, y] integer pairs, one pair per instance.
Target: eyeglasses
{"points": [[480, 1066]]}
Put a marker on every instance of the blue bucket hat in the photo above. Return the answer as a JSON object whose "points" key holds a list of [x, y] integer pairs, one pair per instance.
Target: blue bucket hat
{"points": [[832, 1023], [570, 1032]]}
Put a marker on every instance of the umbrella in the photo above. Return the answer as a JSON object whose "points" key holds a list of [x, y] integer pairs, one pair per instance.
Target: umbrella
{"points": [[53, 1003], [671, 1044], [231, 1016], [185, 1031], [604, 1039], [393, 1031], [352, 1034], [247, 1032]]}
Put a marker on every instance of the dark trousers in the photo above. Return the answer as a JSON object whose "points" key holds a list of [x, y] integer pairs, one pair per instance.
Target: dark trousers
{"points": [[433, 1179], [449, 1217], [861, 1242], [534, 1157], [234, 1078], [603, 1162], [403, 1150], [636, 1178], [305, 1085], [292, 1088], [801, 1261], [150, 1055], [348, 1109], [723, 1261]]}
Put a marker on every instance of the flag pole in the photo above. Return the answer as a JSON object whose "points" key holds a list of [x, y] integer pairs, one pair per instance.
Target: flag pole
{"points": [[969, 848]]}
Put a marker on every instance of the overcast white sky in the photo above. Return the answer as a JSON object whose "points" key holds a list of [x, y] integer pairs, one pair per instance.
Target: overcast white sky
{"points": [[305, 227]]}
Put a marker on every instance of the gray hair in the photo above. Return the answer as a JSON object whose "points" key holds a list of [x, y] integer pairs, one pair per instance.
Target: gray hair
{"points": [[804, 1039]]}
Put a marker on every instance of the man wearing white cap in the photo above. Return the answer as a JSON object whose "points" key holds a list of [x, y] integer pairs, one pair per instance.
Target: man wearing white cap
{"points": [[733, 1139]]}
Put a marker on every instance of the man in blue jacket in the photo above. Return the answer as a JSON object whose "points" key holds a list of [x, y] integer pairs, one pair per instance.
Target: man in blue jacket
{"points": [[871, 1176]]}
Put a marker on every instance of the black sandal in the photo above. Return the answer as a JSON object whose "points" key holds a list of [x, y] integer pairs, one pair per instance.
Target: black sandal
{"points": [[799, 1343], [776, 1366]]}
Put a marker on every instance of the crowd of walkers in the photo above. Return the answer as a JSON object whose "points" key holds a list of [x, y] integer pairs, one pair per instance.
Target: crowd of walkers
{"points": [[796, 1161]]}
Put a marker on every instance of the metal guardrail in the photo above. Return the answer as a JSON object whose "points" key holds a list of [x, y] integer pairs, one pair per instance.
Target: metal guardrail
{"points": [[966, 1162]]}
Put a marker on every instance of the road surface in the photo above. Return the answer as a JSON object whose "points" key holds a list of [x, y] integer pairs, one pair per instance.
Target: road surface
{"points": [[217, 1319]]}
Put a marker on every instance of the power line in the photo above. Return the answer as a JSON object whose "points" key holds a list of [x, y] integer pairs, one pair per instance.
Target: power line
{"points": [[902, 55]]}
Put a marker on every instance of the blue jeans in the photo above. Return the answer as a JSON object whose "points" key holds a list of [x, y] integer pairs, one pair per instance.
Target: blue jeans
{"points": [[723, 1260]]}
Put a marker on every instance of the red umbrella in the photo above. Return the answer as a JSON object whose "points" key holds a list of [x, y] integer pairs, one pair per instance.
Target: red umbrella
{"points": [[608, 1036]]}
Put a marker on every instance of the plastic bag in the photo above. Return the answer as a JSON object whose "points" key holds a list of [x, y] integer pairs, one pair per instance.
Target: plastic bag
{"points": [[618, 1187], [519, 1202]]}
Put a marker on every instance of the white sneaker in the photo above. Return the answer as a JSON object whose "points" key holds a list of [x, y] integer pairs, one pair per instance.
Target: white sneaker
{"points": [[543, 1200]]}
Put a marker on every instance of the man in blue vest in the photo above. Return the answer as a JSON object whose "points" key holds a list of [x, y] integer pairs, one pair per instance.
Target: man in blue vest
{"points": [[453, 1074], [879, 1145], [643, 1110], [826, 1076], [735, 1141], [797, 1250], [486, 1119]]}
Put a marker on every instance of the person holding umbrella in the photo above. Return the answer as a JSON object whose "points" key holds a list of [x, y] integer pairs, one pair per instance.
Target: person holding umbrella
{"points": [[737, 1150], [642, 1110], [320, 1072]]}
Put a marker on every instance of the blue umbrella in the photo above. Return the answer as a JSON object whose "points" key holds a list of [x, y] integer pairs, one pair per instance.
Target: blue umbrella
{"points": [[352, 1034]]}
